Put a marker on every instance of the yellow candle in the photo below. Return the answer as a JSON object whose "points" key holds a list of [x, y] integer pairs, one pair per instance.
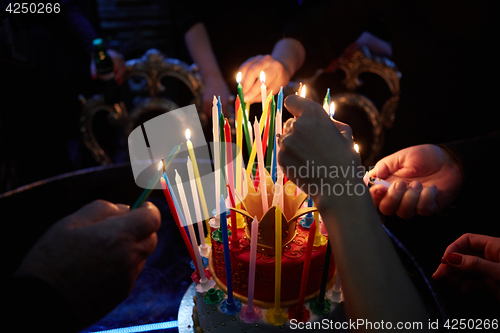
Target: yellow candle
{"points": [[277, 259], [262, 123], [189, 145], [319, 239]]}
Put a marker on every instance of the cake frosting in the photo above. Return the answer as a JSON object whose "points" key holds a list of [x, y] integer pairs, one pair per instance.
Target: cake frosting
{"points": [[209, 313]]}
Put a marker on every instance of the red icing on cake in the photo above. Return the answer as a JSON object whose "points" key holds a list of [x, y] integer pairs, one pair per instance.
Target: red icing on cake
{"points": [[292, 261]]}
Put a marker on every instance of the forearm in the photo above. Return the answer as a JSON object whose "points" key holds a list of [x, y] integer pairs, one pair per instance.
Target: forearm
{"points": [[199, 48], [291, 53], [374, 282]]}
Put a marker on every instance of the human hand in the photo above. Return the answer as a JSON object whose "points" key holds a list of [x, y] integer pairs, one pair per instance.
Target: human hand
{"points": [[118, 66], [93, 256], [216, 87], [425, 180], [276, 76], [314, 142], [472, 263]]}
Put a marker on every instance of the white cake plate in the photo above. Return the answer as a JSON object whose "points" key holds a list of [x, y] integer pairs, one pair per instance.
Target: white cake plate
{"points": [[184, 317]]}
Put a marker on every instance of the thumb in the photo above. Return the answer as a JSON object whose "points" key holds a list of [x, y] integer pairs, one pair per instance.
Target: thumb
{"points": [[473, 264]]}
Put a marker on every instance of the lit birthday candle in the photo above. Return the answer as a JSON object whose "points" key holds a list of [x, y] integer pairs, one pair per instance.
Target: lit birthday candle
{"points": [[331, 110], [263, 89], [156, 178], [356, 148], [303, 91], [240, 89], [243, 105]]}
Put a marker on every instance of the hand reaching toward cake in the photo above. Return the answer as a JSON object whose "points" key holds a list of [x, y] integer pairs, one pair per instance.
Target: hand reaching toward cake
{"points": [[93, 256], [472, 264], [303, 145], [425, 180], [360, 245], [287, 57], [276, 76]]}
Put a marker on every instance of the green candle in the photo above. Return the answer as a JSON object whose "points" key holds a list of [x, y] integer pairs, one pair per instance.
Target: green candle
{"points": [[245, 119], [156, 178], [270, 139]]}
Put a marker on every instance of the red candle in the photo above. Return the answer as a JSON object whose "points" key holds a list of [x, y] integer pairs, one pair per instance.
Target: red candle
{"points": [[237, 104], [184, 235], [266, 134], [307, 263]]}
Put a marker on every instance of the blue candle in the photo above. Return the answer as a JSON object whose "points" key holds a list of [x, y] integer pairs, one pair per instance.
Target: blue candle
{"points": [[280, 100], [219, 106], [275, 162], [306, 221], [225, 241]]}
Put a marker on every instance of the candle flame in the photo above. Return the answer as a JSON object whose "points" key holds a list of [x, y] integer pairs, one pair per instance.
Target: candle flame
{"points": [[160, 164], [332, 109], [262, 77], [303, 91], [356, 148], [238, 77], [188, 134]]}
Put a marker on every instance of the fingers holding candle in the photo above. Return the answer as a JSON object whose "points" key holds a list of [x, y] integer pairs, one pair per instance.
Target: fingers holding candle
{"points": [[276, 76]]}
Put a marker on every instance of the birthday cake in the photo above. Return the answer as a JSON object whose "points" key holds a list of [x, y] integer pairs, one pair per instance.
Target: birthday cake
{"points": [[262, 270], [209, 313]]}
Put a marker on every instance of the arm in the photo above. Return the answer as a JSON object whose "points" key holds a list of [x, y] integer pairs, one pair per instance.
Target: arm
{"points": [[199, 47], [362, 249], [105, 243], [375, 284]]}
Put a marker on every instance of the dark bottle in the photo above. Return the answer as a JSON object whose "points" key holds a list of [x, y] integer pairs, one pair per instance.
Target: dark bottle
{"points": [[105, 75]]}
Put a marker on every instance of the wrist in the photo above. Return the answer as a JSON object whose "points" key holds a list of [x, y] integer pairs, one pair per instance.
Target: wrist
{"points": [[344, 198], [212, 75], [290, 53]]}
